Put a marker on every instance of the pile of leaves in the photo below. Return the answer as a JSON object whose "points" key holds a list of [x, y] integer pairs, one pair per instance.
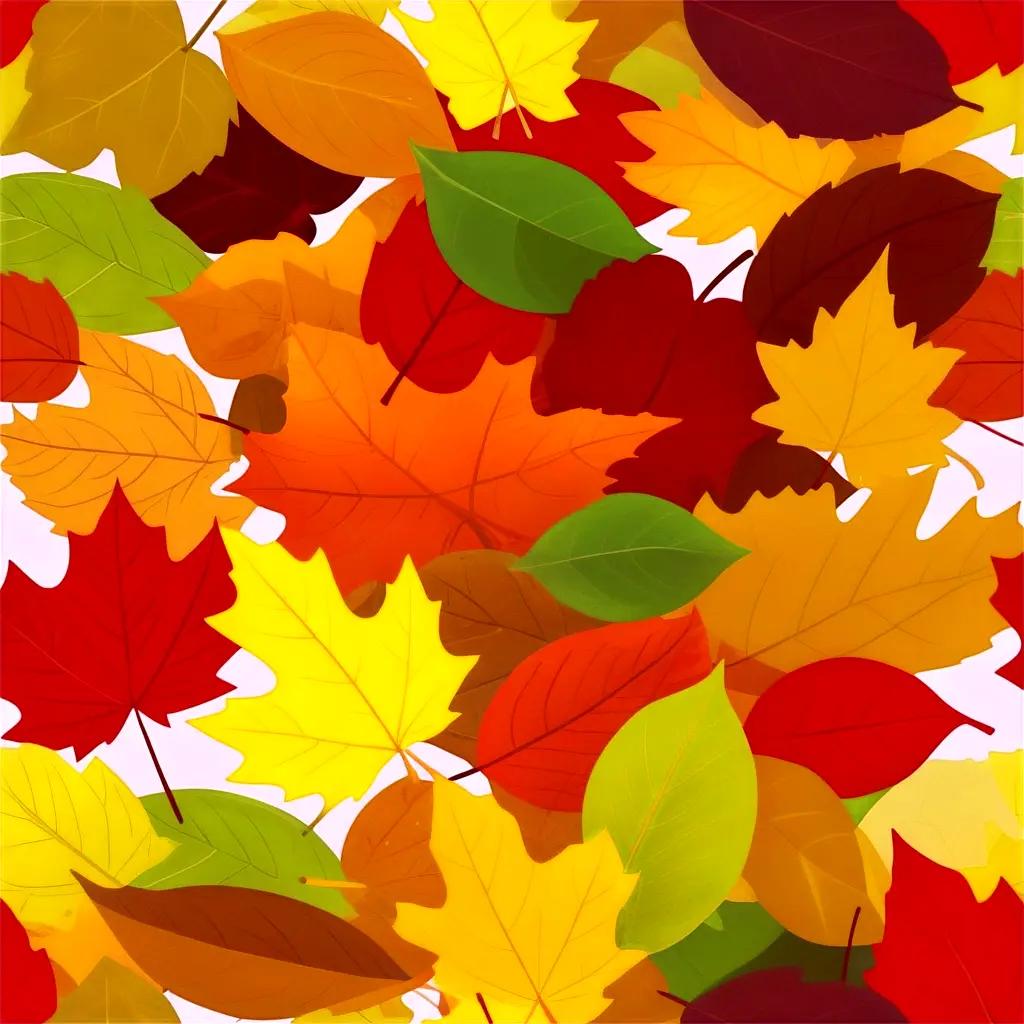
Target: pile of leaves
{"points": [[553, 513]]}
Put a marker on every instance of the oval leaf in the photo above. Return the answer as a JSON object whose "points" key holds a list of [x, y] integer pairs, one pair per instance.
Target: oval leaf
{"points": [[628, 556], [521, 230]]}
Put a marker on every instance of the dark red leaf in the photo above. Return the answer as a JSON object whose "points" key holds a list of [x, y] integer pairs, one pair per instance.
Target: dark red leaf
{"points": [[256, 189], [16, 29], [594, 142], [846, 70], [434, 329], [38, 340], [860, 725], [974, 34], [28, 994], [547, 725], [1008, 600], [123, 631], [945, 957], [937, 230], [774, 996]]}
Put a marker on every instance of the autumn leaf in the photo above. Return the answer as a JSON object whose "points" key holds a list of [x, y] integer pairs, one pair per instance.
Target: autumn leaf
{"points": [[619, 30], [725, 173], [1005, 251], [861, 388], [492, 56], [534, 939], [150, 425], [351, 692], [29, 994], [427, 473], [16, 29], [1008, 600], [115, 993], [266, 12], [117, 74]]}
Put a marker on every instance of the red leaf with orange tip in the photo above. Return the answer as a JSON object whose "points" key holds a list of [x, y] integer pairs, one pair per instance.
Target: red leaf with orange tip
{"points": [[28, 994], [1008, 600]]}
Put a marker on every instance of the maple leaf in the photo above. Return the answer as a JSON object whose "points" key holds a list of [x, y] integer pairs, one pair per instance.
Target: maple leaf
{"points": [[726, 173], [351, 692], [427, 473], [492, 56], [861, 388], [535, 940]]}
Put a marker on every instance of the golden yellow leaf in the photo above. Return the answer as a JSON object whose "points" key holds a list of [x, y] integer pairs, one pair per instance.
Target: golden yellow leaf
{"points": [[965, 815], [13, 94], [806, 864], [351, 692], [337, 89], [813, 587], [1001, 96], [536, 940], [144, 426], [115, 74], [492, 56], [728, 174], [972, 170], [861, 387], [266, 12], [111, 993]]}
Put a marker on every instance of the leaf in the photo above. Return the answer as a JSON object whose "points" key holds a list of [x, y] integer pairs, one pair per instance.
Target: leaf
{"points": [[620, 29], [123, 632], [12, 84], [1005, 251], [861, 388], [229, 839], [38, 341], [114, 993], [259, 404], [29, 994], [815, 963], [474, 469], [913, 604], [548, 724], [781, 994], [546, 930], [838, 71], [116, 74], [146, 425], [815, 257], [806, 865], [638, 998], [733, 935], [387, 850], [16, 29], [728, 175], [944, 956], [858, 724], [249, 954], [627, 557], [545, 833], [655, 71], [963, 815], [493, 57], [105, 249], [687, 824], [1008, 600], [266, 12], [440, 334], [521, 230], [594, 142], [305, 78], [257, 188], [974, 34], [58, 821], [394, 1011], [985, 383], [351, 692]]}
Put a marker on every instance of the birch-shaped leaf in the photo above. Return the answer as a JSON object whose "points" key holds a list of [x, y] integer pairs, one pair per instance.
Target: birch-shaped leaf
{"points": [[689, 815], [351, 692]]}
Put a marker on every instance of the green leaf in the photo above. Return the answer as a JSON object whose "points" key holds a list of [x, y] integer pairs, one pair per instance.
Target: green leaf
{"points": [[521, 230], [1006, 250], [715, 949], [657, 76], [106, 249], [677, 792], [816, 963], [228, 839], [628, 556], [858, 806], [114, 993]]}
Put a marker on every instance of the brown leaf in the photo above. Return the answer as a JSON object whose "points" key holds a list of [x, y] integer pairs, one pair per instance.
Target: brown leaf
{"points": [[636, 998], [545, 833], [259, 404]]}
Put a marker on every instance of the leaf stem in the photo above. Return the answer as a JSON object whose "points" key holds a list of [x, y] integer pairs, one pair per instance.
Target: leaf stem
{"points": [[998, 433], [223, 422], [483, 1006], [331, 883], [205, 25], [316, 821], [724, 273], [674, 998], [510, 89], [159, 771], [849, 946]]}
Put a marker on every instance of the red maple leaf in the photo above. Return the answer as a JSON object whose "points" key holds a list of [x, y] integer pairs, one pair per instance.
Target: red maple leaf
{"points": [[1008, 600], [123, 632]]}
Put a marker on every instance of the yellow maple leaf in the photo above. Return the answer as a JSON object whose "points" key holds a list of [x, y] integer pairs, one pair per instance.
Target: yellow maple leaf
{"points": [[861, 388], [351, 692], [536, 940], [726, 173], [492, 56], [145, 426], [117, 74], [814, 587]]}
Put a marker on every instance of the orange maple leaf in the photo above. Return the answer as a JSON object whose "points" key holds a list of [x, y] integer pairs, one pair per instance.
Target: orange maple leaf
{"points": [[427, 473]]}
